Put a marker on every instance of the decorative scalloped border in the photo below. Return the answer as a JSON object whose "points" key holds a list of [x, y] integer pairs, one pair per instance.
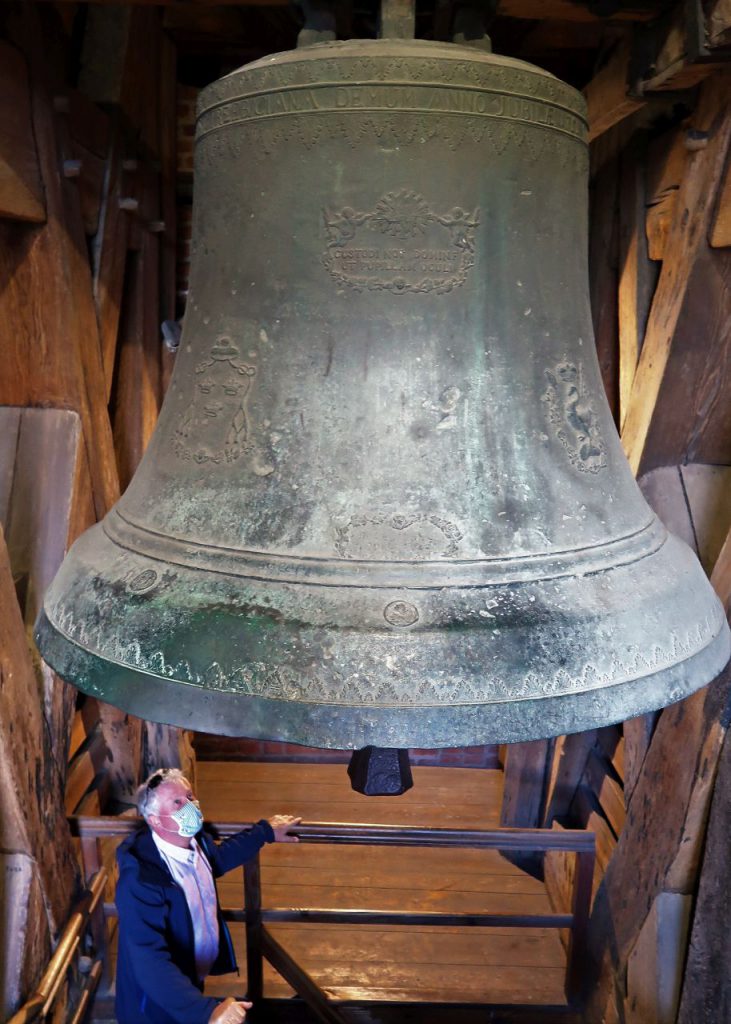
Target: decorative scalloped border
{"points": [[411, 70], [260, 679]]}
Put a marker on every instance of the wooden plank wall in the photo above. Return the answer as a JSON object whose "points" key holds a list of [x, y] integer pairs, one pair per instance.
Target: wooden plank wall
{"points": [[87, 178], [660, 273]]}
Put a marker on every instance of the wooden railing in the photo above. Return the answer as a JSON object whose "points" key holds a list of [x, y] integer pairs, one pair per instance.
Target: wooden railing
{"points": [[261, 944], [86, 914]]}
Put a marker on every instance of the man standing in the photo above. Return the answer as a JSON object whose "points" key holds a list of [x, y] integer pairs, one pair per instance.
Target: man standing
{"points": [[171, 932]]}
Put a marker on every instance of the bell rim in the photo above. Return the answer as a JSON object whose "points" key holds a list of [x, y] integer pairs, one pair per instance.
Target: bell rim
{"points": [[377, 651], [207, 710]]}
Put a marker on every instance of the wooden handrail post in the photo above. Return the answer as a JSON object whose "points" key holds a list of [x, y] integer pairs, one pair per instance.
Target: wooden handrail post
{"points": [[98, 929], [91, 863], [576, 958], [90, 856], [38, 1006], [252, 905]]}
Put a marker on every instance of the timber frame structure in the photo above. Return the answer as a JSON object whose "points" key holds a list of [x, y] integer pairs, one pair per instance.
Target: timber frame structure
{"points": [[96, 124]]}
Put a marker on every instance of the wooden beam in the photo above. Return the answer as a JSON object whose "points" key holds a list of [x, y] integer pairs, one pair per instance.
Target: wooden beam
{"points": [[569, 10], [671, 57], [86, 719], [524, 793], [164, 746], [50, 338], [90, 170], [525, 784], [660, 846], [655, 967], [610, 745], [708, 496], [83, 770], [547, 37], [168, 172], [586, 811], [721, 231], [637, 735], [687, 235], [110, 255], [666, 159], [607, 790], [397, 19], [122, 747], [636, 273], [21, 191], [664, 492], [82, 311], [718, 23], [607, 98], [89, 125], [136, 400], [38, 518], [48, 329], [167, 3], [567, 766], [529, 10], [135, 409], [603, 276], [697, 375], [32, 824], [721, 575], [120, 66], [706, 992]]}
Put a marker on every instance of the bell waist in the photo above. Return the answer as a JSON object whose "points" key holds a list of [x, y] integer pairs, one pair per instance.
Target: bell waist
{"points": [[417, 575]]}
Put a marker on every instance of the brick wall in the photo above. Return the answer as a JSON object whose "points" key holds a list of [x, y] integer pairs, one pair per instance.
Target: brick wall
{"points": [[187, 97], [226, 748], [183, 243]]}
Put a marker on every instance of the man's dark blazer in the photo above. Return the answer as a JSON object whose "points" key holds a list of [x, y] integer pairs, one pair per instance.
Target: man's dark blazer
{"points": [[157, 981]]}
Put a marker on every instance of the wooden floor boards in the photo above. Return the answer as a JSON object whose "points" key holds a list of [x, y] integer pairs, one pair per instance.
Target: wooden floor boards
{"points": [[394, 963]]}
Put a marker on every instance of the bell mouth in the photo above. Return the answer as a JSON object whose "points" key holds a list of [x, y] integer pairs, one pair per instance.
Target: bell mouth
{"points": [[439, 667]]}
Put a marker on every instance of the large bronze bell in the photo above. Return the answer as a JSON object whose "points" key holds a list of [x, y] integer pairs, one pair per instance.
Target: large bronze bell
{"points": [[385, 502]]}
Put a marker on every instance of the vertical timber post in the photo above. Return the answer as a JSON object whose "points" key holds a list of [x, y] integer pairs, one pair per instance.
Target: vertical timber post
{"points": [[252, 903], [576, 959], [398, 19]]}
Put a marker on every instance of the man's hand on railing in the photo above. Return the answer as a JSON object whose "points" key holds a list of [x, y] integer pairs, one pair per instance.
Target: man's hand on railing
{"points": [[281, 823], [230, 1011]]}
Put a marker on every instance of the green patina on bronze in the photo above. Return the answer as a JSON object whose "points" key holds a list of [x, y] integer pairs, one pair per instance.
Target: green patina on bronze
{"points": [[385, 502]]}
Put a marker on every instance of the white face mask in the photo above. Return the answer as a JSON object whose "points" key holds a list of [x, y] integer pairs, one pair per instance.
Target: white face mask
{"points": [[188, 818]]}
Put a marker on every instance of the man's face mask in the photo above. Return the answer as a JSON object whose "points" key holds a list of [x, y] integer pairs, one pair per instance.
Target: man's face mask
{"points": [[188, 818]]}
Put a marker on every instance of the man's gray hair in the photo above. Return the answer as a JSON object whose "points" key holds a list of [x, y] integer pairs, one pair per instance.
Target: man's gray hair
{"points": [[148, 795]]}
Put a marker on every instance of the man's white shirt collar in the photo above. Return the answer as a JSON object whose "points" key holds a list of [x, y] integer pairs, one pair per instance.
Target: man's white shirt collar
{"points": [[179, 853]]}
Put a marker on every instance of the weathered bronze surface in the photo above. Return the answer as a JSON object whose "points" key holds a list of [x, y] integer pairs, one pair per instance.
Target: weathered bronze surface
{"points": [[385, 503]]}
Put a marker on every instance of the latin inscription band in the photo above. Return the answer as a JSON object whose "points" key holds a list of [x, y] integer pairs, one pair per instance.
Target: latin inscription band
{"points": [[389, 98]]}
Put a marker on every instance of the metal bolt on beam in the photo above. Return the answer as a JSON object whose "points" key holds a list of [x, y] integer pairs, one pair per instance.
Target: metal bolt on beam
{"points": [[71, 168]]}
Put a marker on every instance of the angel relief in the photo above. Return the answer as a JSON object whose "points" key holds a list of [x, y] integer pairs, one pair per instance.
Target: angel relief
{"points": [[215, 427], [574, 419]]}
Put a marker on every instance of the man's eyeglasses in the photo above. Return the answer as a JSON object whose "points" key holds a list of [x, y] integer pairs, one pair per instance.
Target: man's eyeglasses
{"points": [[158, 778]]}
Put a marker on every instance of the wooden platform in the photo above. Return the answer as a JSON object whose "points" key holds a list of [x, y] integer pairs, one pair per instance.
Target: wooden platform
{"points": [[391, 964]]}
